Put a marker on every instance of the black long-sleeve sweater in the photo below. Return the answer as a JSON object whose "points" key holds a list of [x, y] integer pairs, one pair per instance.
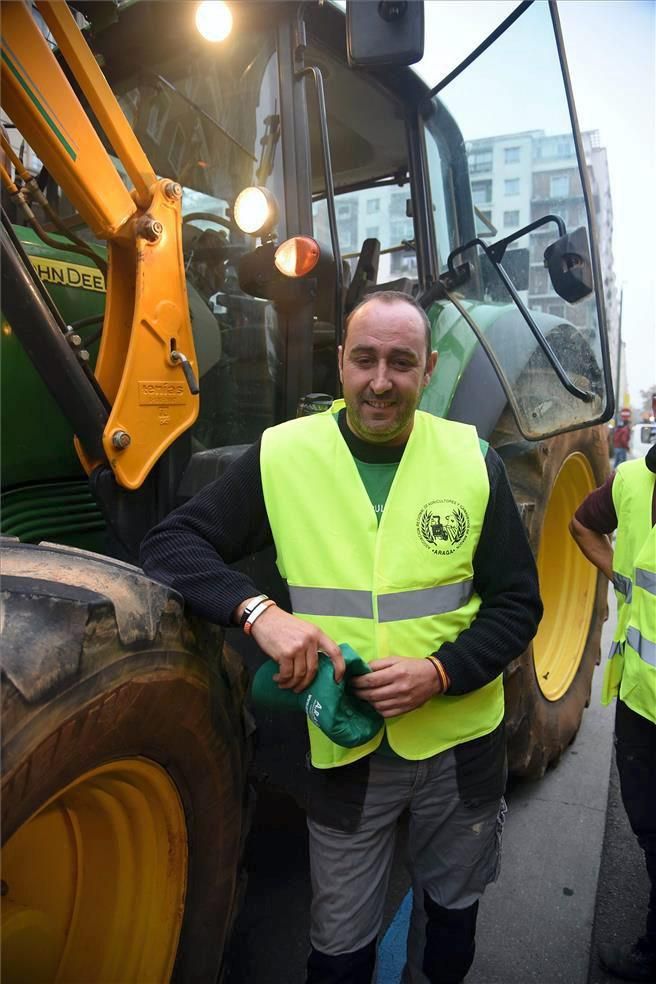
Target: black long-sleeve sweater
{"points": [[192, 548]]}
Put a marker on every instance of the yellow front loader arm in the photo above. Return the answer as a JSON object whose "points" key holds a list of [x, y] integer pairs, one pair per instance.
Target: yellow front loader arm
{"points": [[146, 364]]}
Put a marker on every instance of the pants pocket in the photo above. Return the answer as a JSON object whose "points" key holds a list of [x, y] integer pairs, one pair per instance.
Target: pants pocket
{"points": [[336, 796], [481, 768]]}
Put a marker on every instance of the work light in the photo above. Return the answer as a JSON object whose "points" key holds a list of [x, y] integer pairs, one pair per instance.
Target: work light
{"points": [[255, 211], [214, 20]]}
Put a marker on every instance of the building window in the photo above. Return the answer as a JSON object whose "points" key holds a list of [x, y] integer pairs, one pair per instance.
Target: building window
{"points": [[511, 155], [373, 206], [511, 186], [538, 244], [559, 186], [346, 238], [558, 310], [480, 160], [344, 211], [404, 264], [398, 205], [511, 219], [400, 231], [481, 192], [554, 147], [539, 282]]}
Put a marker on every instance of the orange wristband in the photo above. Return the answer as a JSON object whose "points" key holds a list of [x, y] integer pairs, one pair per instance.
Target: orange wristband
{"points": [[441, 672]]}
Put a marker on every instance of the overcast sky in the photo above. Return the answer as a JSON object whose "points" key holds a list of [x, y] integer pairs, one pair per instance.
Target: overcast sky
{"points": [[611, 51]]}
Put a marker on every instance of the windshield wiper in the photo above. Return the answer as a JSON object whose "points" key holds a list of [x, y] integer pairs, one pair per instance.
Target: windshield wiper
{"points": [[269, 142], [203, 113]]}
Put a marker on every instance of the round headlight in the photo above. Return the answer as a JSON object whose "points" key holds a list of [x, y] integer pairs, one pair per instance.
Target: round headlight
{"points": [[255, 211], [214, 20]]}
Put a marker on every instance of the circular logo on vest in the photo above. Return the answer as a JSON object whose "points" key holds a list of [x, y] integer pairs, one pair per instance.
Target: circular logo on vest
{"points": [[443, 525]]}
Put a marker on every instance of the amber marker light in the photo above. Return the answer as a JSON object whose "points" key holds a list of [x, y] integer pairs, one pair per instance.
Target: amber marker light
{"points": [[214, 20], [297, 257]]}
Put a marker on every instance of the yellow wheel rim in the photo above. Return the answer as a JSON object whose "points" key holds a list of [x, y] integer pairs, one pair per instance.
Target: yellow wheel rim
{"points": [[94, 883], [567, 583]]}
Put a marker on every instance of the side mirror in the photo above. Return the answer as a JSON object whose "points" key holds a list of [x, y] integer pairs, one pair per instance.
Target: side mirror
{"points": [[384, 32], [569, 266]]}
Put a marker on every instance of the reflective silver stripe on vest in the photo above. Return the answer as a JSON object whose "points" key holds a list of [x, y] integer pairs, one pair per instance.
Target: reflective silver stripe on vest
{"points": [[396, 607], [425, 601], [644, 647], [645, 579], [616, 647], [331, 601], [623, 584]]}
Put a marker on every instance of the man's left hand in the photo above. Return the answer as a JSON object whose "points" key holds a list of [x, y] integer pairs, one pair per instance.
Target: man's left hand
{"points": [[397, 685]]}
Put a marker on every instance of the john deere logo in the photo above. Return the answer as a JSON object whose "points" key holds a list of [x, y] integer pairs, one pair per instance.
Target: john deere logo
{"points": [[443, 525]]}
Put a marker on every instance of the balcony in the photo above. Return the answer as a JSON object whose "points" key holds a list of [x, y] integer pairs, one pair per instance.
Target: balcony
{"points": [[566, 199]]}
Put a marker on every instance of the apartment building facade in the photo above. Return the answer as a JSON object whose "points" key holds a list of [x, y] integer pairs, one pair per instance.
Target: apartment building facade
{"points": [[517, 178]]}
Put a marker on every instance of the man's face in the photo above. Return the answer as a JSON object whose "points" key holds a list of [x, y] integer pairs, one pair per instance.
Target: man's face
{"points": [[383, 371]]}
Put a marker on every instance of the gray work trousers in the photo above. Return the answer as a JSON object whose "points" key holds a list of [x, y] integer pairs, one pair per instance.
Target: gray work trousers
{"points": [[454, 844]]}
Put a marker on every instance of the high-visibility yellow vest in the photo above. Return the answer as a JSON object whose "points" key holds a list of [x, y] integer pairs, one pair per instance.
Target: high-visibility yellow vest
{"points": [[630, 671], [638, 688], [401, 588]]}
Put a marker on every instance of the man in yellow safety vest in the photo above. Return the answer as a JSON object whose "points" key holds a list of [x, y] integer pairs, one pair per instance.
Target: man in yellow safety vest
{"points": [[627, 503], [397, 533]]}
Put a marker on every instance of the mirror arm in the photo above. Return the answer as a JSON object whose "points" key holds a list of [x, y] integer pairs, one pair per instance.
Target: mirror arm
{"points": [[317, 77], [498, 249], [585, 395]]}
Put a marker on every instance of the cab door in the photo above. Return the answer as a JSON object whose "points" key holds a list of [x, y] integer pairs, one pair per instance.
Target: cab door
{"points": [[515, 196]]}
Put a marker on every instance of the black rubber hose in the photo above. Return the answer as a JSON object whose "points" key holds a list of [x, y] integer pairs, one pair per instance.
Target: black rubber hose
{"points": [[40, 330]]}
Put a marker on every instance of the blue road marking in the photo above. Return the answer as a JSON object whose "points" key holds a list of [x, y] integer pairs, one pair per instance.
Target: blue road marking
{"points": [[391, 952]]}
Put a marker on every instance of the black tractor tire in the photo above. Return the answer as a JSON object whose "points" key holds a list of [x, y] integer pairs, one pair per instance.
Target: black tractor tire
{"points": [[550, 479], [101, 667]]}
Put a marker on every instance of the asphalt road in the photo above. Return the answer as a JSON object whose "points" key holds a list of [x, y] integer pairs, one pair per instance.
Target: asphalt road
{"points": [[571, 873], [623, 889], [536, 922]]}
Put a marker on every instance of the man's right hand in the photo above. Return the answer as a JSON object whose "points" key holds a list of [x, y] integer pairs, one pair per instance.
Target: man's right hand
{"points": [[294, 645]]}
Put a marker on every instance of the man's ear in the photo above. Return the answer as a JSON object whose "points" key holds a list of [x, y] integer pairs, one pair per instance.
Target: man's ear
{"points": [[430, 367], [340, 362]]}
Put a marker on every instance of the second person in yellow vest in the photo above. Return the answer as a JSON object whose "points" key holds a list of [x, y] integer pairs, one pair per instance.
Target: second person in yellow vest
{"points": [[627, 503]]}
